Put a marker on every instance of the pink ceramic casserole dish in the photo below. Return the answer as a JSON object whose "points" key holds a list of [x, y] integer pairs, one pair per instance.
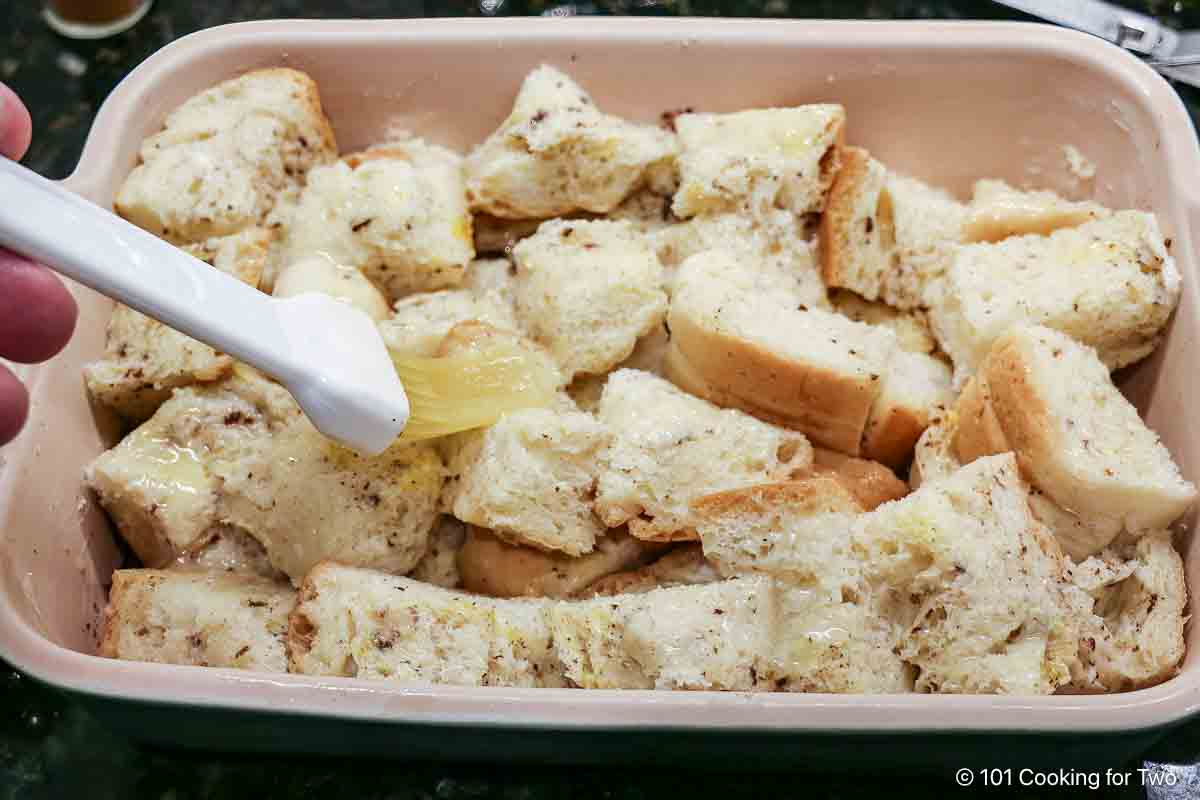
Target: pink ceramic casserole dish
{"points": [[947, 102]]}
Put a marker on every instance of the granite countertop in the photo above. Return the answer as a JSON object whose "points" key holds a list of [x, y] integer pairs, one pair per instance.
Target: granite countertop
{"points": [[50, 748]]}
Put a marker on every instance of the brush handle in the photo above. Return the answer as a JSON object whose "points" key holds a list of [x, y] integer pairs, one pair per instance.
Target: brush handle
{"points": [[43, 221]]}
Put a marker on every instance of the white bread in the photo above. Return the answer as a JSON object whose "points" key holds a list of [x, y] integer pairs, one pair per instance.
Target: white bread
{"points": [[419, 323], [886, 236], [197, 618], [935, 457], [847, 385], [145, 360], [911, 327], [587, 291], [684, 565], [998, 211], [226, 156], [439, 565], [668, 447], [647, 210], [1109, 283], [228, 549], [771, 244], [770, 157], [870, 483], [493, 567], [529, 478], [355, 622], [398, 212], [1079, 440], [360, 623], [649, 355], [1136, 617], [320, 274], [557, 153], [241, 453], [494, 278]]}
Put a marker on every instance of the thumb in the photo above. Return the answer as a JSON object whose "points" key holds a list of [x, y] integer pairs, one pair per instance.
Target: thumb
{"points": [[15, 124]]}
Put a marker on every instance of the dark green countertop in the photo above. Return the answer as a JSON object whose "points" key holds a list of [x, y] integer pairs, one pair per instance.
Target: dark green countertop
{"points": [[50, 748]]}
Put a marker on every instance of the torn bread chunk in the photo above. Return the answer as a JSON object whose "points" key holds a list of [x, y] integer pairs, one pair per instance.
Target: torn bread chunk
{"points": [[240, 453], [225, 157], [320, 274], [530, 477], [811, 370], [587, 291], [1137, 615], [886, 236], [493, 567], [145, 360], [1079, 440], [494, 278], [870, 483], [772, 244], [198, 619], [668, 447], [998, 211], [772, 157], [419, 323], [397, 212], [683, 566], [557, 153], [361, 623], [715, 636], [439, 565], [1109, 283], [935, 456]]}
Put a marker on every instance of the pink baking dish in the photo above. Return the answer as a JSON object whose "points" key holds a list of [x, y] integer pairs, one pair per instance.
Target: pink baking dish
{"points": [[948, 102]]}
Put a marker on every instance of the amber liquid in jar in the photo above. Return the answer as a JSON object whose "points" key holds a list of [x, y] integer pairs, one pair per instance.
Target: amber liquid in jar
{"points": [[88, 19]]}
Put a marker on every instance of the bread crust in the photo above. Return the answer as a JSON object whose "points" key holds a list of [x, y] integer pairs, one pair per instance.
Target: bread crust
{"points": [[819, 494], [838, 219], [828, 407], [978, 432], [891, 436], [872, 484]]}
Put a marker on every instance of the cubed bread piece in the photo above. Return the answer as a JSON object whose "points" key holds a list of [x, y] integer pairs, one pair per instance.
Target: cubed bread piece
{"points": [[870, 483], [772, 245], [360, 623], [491, 566], [911, 327], [886, 236], [646, 210], [420, 323], [649, 355], [439, 565], [1109, 283], [197, 618], [495, 278], [998, 211], [226, 155], [1075, 435], [241, 453], [683, 566], [735, 345], [228, 549], [557, 153], [668, 447], [935, 456], [770, 157], [916, 389], [1135, 631], [530, 478], [320, 274], [994, 612], [716, 636], [397, 212], [588, 291], [145, 360], [798, 532]]}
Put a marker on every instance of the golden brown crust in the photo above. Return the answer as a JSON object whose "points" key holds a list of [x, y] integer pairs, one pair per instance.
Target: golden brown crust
{"points": [[819, 494], [1020, 410], [978, 433], [110, 637], [838, 219], [686, 559], [830, 408], [872, 484], [647, 531], [891, 436]]}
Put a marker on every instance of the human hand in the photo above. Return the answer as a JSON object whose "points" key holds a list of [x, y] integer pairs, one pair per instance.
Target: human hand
{"points": [[37, 313]]}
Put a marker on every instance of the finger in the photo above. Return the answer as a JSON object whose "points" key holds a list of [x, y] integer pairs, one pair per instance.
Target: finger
{"points": [[37, 313], [14, 405], [16, 127]]}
